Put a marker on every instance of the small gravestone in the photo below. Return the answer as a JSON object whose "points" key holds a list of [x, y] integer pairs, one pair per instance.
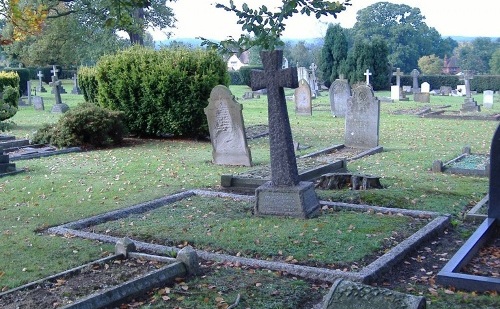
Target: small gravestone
{"points": [[59, 107], [39, 87], [227, 129], [38, 103], [367, 74], [425, 87], [285, 194], [362, 118], [470, 105], [422, 97], [445, 90], [488, 99], [406, 89], [340, 92], [302, 94], [415, 74], [76, 89]]}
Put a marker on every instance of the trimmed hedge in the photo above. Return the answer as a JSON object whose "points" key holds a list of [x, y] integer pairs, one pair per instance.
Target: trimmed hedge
{"points": [[87, 81], [479, 83], [245, 73], [161, 92], [24, 77], [235, 78]]}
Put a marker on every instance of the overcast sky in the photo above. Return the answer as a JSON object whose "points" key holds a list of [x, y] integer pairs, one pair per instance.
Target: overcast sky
{"points": [[449, 17]]}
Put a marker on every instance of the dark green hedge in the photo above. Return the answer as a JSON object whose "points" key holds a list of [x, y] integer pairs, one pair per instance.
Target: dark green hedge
{"points": [[87, 81], [24, 77], [245, 73], [161, 92], [235, 78], [479, 83]]}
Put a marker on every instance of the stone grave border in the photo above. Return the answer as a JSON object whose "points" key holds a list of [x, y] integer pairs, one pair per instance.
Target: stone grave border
{"points": [[365, 275], [112, 295], [246, 183], [473, 215], [441, 115], [38, 155], [438, 166]]}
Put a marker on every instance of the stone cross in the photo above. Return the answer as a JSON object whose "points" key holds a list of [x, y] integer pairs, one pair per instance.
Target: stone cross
{"points": [[313, 68], [40, 87], [76, 89], [54, 70], [367, 74], [466, 77], [398, 75], [55, 84], [283, 163], [415, 74]]}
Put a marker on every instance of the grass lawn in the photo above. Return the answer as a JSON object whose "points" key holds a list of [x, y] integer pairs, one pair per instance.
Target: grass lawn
{"points": [[60, 189]]}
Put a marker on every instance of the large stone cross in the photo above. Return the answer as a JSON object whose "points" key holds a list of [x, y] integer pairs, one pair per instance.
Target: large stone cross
{"points": [[40, 87], [466, 77], [274, 78], [367, 74], [398, 75], [54, 70], [55, 84]]}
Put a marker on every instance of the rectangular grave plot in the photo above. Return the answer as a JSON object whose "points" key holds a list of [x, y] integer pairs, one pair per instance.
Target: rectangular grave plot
{"points": [[469, 165], [98, 284]]}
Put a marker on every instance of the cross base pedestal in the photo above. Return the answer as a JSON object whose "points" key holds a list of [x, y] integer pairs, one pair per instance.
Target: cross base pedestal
{"points": [[60, 108], [298, 201], [470, 105]]}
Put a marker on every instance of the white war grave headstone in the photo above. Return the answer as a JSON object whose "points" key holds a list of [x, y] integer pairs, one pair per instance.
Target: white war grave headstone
{"points": [[488, 99], [362, 119], [424, 95], [285, 194], [470, 105], [302, 95], [339, 92], [425, 87], [227, 129]]}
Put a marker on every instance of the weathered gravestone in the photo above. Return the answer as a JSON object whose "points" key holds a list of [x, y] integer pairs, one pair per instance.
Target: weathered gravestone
{"points": [[488, 99], [38, 103], [59, 107], [284, 195], [445, 90], [76, 89], [39, 87], [415, 74], [362, 118], [340, 92], [470, 105], [422, 97], [302, 95], [227, 129], [348, 294]]}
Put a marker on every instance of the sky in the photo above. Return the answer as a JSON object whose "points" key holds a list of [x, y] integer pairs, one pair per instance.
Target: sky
{"points": [[200, 18]]}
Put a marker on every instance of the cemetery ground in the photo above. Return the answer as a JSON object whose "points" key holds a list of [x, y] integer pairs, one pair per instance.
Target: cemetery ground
{"points": [[65, 188]]}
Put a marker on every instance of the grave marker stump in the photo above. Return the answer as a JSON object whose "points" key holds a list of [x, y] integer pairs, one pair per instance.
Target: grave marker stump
{"points": [[284, 195]]}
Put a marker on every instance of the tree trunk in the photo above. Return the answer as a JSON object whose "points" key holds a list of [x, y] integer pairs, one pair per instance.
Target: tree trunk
{"points": [[136, 34]]}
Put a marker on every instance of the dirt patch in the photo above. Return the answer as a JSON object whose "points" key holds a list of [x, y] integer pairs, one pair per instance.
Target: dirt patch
{"points": [[67, 289]]}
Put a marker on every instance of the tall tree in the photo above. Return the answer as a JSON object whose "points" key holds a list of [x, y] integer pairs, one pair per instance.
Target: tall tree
{"points": [[333, 53], [476, 55], [403, 27], [430, 65], [495, 62]]}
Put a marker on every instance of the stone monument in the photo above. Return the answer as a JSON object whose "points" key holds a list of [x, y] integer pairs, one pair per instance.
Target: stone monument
{"points": [[284, 195], [470, 105], [302, 96], [362, 119], [76, 89], [227, 129], [340, 92], [396, 92], [415, 74], [59, 107], [313, 81], [54, 72], [40, 87], [488, 99]]}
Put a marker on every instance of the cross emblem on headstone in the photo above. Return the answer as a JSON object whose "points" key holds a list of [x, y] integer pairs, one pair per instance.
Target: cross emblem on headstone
{"points": [[367, 74], [283, 163], [40, 75], [398, 75], [466, 77], [54, 70]]}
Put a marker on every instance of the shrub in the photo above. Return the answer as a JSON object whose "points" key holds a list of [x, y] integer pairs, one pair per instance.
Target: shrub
{"points": [[161, 92], [24, 77], [8, 79], [85, 125], [235, 78], [245, 73], [87, 81], [8, 104]]}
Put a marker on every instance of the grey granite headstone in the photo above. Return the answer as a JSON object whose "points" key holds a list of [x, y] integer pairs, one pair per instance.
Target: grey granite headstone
{"points": [[59, 107], [302, 95], [422, 97], [349, 294], [445, 90], [38, 103], [362, 118], [227, 129], [470, 105], [284, 195], [488, 99], [340, 92], [494, 190], [415, 74]]}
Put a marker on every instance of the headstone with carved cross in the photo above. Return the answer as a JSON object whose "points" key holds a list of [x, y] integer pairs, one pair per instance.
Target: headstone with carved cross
{"points": [[415, 74], [59, 107], [367, 74], [339, 92], [76, 89], [470, 105], [284, 195], [40, 87]]}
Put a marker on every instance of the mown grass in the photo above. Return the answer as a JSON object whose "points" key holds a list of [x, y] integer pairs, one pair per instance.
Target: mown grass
{"points": [[59, 189]]}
